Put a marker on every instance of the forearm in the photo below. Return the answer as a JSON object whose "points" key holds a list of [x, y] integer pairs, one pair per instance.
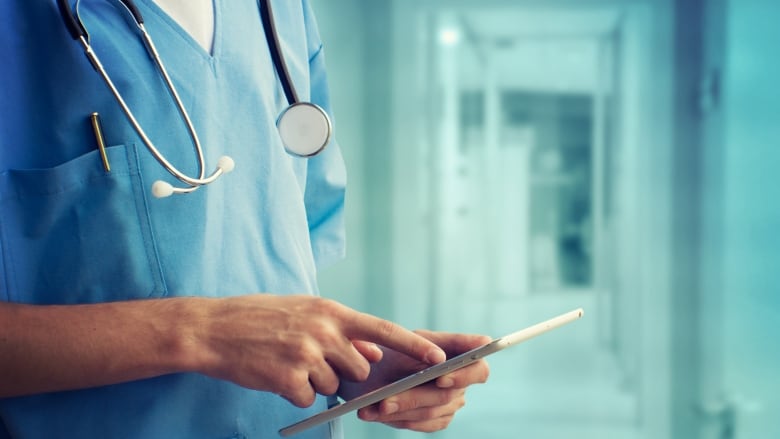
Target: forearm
{"points": [[293, 346], [52, 348]]}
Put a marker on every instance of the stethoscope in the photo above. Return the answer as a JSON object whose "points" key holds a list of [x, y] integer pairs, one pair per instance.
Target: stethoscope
{"points": [[304, 127]]}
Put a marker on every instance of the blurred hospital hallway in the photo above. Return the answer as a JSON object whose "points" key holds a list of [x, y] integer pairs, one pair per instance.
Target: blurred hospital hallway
{"points": [[510, 160]]}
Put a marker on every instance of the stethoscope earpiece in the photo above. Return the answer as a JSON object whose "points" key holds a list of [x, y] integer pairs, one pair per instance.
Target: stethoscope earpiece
{"points": [[163, 189], [226, 164]]}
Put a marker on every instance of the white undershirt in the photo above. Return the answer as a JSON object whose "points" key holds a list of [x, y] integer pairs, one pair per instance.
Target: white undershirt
{"points": [[194, 16]]}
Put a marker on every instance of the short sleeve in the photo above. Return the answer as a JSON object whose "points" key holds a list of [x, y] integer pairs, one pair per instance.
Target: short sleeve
{"points": [[326, 174]]}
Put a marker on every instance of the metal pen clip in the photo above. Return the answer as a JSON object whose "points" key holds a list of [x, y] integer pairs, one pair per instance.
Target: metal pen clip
{"points": [[101, 143]]}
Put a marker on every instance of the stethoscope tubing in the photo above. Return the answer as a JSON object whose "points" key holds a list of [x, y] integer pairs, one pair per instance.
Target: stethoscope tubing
{"points": [[271, 36], [77, 30], [306, 138]]}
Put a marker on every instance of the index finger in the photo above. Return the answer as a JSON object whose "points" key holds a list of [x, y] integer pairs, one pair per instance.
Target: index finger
{"points": [[453, 343], [386, 333]]}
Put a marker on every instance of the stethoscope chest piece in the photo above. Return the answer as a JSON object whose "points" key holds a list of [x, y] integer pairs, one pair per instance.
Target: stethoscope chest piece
{"points": [[305, 129]]}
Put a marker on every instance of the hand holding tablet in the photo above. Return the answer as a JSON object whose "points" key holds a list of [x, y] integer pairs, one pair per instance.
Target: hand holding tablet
{"points": [[432, 372]]}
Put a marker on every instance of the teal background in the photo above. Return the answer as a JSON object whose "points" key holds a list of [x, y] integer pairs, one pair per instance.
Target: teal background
{"points": [[511, 160]]}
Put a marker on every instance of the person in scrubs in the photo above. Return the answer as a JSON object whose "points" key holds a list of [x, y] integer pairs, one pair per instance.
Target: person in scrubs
{"points": [[197, 315]]}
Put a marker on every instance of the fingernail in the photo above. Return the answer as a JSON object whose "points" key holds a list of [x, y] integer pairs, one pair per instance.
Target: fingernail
{"points": [[435, 356], [445, 382], [390, 408], [369, 414]]}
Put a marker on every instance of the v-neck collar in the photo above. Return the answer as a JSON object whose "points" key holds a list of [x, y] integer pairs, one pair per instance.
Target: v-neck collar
{"points": [[216, 46]]}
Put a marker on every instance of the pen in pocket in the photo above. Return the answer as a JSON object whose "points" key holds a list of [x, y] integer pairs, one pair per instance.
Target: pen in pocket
{"points": [[101, 143]]}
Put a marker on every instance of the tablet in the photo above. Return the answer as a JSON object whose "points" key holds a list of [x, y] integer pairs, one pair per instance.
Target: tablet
{"points": [[432, 372]]}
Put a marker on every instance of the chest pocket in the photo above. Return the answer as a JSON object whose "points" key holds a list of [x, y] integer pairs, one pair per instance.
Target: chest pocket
{"points": [[77, 234]]}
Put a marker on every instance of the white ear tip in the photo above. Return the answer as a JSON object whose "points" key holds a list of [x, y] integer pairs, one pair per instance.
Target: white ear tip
{"points": [[226, 164], [161, 189]]}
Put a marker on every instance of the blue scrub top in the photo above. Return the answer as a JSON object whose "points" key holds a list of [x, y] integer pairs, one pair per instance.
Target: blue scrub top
{"points": [[72, 233]]}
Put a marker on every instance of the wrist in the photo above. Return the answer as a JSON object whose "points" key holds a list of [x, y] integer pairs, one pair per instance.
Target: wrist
{"points": [[185, 332]]}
